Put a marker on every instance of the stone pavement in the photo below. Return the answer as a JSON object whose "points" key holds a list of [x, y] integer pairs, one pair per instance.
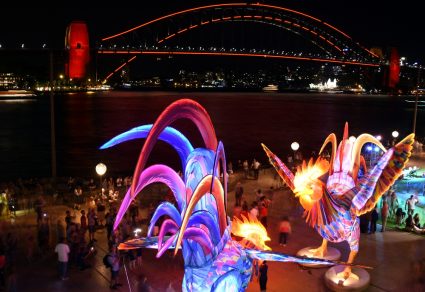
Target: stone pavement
{"points": [[391, 254]]}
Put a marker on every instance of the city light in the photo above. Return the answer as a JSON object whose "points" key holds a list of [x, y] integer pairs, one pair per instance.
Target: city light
{"points": [[101, 169], [395, 134], [295, 146]]}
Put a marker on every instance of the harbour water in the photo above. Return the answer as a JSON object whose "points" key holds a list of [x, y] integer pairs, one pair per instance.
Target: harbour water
{"points": [[84, 121]]}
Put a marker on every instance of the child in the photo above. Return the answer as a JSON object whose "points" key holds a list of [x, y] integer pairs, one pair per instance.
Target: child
{"points": [[284, 230]]}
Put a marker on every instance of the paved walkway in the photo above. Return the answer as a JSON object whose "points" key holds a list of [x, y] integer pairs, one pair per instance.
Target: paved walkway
{"points": [[391, 254]]}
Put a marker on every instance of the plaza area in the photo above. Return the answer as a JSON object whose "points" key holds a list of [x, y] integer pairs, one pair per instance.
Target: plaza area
{"points": [[395, 256]]}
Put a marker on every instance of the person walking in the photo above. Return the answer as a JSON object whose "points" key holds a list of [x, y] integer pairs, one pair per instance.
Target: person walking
{"points": [[263, 276], [114, 262], [62, 249], [245, 166], [374, 219], [410, 205], [394, 204], [256, 167], [384, 215], [238, 193], [284, 230]]}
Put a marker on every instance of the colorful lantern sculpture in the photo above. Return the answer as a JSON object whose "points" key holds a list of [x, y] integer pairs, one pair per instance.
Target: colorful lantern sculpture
{"points": [[332, 193], [198, 222]]}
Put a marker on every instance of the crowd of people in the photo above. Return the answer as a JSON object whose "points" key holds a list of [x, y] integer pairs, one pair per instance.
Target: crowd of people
{"points": [[72, 235]]}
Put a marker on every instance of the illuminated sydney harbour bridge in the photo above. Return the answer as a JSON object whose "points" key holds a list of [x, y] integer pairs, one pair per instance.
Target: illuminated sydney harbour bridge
{"points": [[170, 35]]}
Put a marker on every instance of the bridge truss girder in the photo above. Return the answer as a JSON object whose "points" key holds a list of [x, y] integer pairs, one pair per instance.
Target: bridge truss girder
{"points": [[157, 34]]}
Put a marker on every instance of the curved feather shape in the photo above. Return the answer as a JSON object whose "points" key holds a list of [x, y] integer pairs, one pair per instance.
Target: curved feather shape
{"points": [[220, 157], [388, 169], [166, 245], [357, 147], [282, 170], [202, 190], [154, 174], [184, 108], [123, 208], [201, 237], [205, 218], [330, 139], [170, 135], [165, 208], [168, 226]]}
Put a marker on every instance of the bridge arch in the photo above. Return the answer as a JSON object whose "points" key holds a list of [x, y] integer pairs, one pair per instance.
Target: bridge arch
{"points": [[336, 43]]}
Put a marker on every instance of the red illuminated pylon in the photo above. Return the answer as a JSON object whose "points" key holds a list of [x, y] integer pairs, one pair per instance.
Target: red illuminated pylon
{"points": [[77, 43]]}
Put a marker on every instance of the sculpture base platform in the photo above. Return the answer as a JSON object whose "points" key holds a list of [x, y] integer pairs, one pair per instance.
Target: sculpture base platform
{"points": [[332, 254], [351, 284]]}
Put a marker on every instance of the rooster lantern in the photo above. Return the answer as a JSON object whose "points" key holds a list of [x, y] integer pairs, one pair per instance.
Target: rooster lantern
{"points": [[197, 222], [333, 194]]}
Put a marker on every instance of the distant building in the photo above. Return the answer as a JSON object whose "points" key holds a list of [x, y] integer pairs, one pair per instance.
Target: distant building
{"points": [[13, 81], [328, 85]]}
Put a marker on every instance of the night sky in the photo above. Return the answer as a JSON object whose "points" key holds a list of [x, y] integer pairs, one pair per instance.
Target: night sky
{"points": [[379, 23]]}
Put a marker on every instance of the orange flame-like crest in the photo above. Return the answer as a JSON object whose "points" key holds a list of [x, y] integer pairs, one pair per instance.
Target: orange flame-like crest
{"points": [[307, 184], [252, 232]]}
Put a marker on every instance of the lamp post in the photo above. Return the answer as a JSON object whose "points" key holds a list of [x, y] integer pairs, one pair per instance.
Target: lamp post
{"points": [[100, 170], [295, 146], [395, 135]]}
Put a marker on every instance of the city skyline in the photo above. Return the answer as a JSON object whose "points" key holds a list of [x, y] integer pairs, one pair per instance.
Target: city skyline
{"points": [[372, 24]]}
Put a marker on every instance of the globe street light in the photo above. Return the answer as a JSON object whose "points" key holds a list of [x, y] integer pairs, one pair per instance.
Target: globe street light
{"points": [[295, 146], [395, 135], [100, 170]]}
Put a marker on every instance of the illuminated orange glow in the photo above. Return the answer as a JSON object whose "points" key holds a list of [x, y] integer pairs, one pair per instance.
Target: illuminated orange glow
{"points": [[257, 16], [204, 22], [235, 55], [193, 26], [268, 18], [183, 30], [237, 17], [226, 18], [306, 182], [216, 19], [252, 232], [119, 68], [296, 25], [170, 36]]}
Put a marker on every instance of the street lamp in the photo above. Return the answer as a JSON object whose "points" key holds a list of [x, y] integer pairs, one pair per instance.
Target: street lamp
{"points": [[100, 170], [295, 146], [395, 135]]}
